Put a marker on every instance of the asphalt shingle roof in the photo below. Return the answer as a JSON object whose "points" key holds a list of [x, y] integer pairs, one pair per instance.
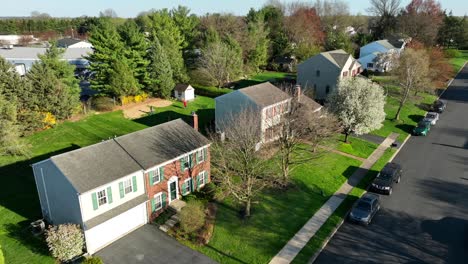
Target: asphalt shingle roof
{"points": [[181, 87], [65, 42], [265, 94], [337, 57], [32, 53]]}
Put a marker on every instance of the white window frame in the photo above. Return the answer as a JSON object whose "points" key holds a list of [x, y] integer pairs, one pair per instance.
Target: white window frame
{"points": [[186, 162], [102, 195], [157, 173], [200, 158], [156, 196], [185, 192], [203, 178], [128, 185]]}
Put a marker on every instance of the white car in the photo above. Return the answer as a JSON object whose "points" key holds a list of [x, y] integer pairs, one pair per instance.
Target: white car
{"points": [[431, 117]]}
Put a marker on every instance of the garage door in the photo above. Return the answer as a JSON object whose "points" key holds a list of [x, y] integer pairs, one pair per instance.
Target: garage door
{"points": [[114, 228]]}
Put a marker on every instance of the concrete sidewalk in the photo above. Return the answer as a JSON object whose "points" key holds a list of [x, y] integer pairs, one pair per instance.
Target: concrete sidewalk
{"points": [[300, 239]]}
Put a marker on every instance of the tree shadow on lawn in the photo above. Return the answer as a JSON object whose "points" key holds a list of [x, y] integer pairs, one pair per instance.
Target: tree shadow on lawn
{"points": [[424, 106], [416, 118], [406, 128], [22, 233]]}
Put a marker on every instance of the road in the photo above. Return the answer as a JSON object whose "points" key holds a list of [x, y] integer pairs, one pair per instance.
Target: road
{"points": [[425, 220]]}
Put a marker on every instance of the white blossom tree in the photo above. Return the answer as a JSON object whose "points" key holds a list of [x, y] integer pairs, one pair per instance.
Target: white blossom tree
{"points": [[358, 103], [65, 241], [385, 61]]}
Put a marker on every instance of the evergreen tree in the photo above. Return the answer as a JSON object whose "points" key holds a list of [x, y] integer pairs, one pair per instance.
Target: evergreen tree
{"points": [[108, 48], [121, 79], [136, 48], [257, 55], [10, 142], [160, 71], [187, 25]]}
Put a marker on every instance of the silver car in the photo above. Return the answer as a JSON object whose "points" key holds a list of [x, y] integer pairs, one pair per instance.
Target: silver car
{"points": [[431, 117]]}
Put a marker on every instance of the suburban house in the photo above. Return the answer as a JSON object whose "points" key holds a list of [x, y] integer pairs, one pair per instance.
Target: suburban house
{"points": [[267, 100], [24, 57], [113, 187], [323, 71], [184, 92], [369, 53], [15, 39], [72, 43]]}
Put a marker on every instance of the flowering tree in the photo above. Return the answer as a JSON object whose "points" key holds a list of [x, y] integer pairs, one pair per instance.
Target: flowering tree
{"points": [[358, 103], [65, 241]]}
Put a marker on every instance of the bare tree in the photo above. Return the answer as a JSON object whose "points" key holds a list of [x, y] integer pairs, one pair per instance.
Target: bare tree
{"points": [[108, 13], [384, 7], [413, 73], [333, 13], [237, 166]]}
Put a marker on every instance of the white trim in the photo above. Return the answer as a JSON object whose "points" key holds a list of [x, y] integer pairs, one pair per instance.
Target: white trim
{"points": [[159, 194], [171, 180], [203, 176], [190, 186], [202, 155], [109, 184], [176, 158], [159, 175]]}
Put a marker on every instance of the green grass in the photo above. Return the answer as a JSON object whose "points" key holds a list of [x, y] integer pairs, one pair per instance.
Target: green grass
{"points": [[319, 238], [2, 260], [459, 61], [356, 146], [412, 112], [279, 215], [19, 204]]}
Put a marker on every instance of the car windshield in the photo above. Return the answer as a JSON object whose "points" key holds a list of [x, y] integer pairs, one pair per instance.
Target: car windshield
{"points": [[430, 116], [363, 206], [422, 125], [385, 176]]}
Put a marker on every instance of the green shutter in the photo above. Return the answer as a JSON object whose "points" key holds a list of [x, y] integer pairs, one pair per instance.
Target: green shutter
{"points": [[153, 205], [182, 164], [121, 190], [196, 157], [94, 197], [198, 181], [193, 187], [183, 187], [150, 176], [161, 173], [206, 177], [134, 184], [163, 199], [109, 194], [191, 160], [205, 154]]}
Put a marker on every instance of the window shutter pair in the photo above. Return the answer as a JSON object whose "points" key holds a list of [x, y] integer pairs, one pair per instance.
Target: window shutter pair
{"points": [[163, 200]]}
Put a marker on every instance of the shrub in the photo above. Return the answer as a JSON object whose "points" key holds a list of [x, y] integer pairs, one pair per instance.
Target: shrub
{"points": [[93, 260], [192, 217], [2, 260], [49, 120], [65, 241], [452, 53], [210, 91], [102, 104]]}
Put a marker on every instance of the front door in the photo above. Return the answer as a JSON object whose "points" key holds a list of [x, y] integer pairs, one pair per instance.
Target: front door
{"points": [[172, 191]]}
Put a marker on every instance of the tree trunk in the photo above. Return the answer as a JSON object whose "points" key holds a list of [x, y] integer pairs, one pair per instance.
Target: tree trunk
{"points": [[402, 102], [247, 208], [346, 137]]}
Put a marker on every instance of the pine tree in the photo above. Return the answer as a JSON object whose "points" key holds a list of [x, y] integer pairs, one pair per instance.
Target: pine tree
{"points": [[160, 71], [121, 79], [257, 55]]}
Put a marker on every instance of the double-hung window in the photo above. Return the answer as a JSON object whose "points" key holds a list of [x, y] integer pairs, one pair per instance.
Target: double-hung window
{"points": [[128, 186], [156, 176], [201, 178], [102, 198], [187, 186], [157, 201], [200, 156]]}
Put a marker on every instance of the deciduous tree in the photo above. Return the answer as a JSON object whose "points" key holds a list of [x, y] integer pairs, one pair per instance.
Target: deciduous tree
{"points": [[65, 241], [358, 104], [10, 142], [385, 12]]}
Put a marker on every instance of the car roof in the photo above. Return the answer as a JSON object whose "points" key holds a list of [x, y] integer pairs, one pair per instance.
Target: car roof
{"points": [[369, 197], [391, 167]]}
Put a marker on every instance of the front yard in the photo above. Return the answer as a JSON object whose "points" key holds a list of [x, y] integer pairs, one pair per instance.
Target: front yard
{"points": [[460, 60], [19, 204]]}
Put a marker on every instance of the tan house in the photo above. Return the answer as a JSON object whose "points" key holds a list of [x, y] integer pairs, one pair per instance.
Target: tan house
{"points": [[322, 72]]}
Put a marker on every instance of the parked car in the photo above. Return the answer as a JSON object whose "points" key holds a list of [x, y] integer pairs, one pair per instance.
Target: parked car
{"points": [[389, 175], [422, 128], [365, 208], [431, 117], [439, 106]]}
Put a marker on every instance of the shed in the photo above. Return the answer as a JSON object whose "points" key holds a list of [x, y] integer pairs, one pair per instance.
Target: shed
{"points": [[184, 92]]}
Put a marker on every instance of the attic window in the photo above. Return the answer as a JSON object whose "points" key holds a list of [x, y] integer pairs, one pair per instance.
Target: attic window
{"points": [[317, 73]]}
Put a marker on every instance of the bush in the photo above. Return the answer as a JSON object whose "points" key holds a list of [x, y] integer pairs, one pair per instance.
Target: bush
{"points": [[2, 260], [452, 53], [102, 103], [93, 260], [211, 91], [192, 217], [65, 241]]}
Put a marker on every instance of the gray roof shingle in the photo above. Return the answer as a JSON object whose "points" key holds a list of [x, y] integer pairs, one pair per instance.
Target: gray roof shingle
{"points": [[32, 53], [181, 87], [265, 94], [65, 42]]}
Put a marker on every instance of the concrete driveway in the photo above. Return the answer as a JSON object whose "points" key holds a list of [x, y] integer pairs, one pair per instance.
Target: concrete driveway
{"points": [[147, 244], [425, 220]]}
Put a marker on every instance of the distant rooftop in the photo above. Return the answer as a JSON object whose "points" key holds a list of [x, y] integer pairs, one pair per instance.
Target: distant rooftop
{"points": [[28, 53]]}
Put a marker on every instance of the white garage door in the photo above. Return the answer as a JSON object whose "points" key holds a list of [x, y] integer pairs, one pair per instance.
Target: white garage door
{"points": [[111, 230]]}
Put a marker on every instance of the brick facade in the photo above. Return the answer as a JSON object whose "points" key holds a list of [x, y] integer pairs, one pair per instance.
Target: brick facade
{"points": [[170, 170]]}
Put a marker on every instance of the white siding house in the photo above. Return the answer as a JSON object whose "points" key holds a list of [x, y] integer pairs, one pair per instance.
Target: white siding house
{"points": [[184, 92], [369, 53]]}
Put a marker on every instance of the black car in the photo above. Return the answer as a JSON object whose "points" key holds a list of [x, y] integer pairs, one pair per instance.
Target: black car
{"points": [[365, 208], [439, 106], [390, 174]]}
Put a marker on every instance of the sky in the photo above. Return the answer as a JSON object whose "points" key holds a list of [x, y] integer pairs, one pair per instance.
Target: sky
{"points": [[131, 8]]}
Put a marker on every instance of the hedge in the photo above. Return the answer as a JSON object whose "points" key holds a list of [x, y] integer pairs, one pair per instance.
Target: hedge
{"points": [[210, 91]]}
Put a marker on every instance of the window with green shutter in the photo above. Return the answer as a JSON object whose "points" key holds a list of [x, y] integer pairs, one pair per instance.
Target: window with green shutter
{"points": [[205, 154], [206, 177], [150, 177], [121, 189], [153, 204], [190, 158], [109, 194], [163, 198], [134, 180], [161, 173], [94, 198], [182, 164]]}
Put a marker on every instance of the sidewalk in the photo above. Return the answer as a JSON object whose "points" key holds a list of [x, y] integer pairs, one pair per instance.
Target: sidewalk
{"points": [[300, 239]]}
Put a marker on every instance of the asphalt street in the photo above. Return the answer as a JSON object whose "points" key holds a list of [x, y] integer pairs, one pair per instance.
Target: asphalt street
{"points": [[425, 220]]}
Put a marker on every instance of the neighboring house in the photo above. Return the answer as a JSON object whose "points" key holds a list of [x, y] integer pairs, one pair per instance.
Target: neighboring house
{"points": [[15, 39], [369, 53], [184, 92], [267, 100], [24, 57], [322, 72], [72, 43], [110, 188]]}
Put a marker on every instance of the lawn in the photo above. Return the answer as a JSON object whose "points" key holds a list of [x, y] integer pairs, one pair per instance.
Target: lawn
{"points": [[459, 61], [355, 146], [317, 241], [19, 204], [279, 215], [412, 112]]}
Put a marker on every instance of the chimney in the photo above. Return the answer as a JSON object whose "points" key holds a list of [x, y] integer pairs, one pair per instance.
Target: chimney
{"points": [[195, 120], [298, 92]]}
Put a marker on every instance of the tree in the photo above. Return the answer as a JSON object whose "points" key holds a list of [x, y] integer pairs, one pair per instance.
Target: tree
{"points": [[332, 13], [385, 11], [108, 13], [220, 62], [453, 31], [160, 71], [257, 52], [121, 79], [337, 39], [412, 72], [358, 104], [237, 166], [192, 217], [135, 51], [187, 24], [274, 20], [65, 241], [10, 142], [421, 20]]}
